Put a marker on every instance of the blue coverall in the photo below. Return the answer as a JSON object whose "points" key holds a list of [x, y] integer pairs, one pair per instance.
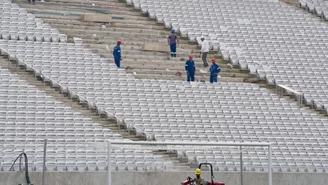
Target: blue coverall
{"points": [[214, 70], [173, 48], [173, 45], [117, 55], [190, 68]]}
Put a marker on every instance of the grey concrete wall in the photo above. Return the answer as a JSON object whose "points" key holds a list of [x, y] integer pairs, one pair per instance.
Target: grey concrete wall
{"points": [[164, 178]]}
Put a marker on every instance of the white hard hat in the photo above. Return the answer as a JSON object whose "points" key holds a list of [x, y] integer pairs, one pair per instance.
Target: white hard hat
{"points": [[202, 37]]}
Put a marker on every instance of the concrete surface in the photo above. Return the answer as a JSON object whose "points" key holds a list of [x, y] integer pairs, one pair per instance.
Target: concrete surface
{"points": [[90, 17], [155, 47], [291, 2], [163, 178]]}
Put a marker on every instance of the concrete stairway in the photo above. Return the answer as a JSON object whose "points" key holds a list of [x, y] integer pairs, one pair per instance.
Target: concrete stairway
{"points": [[181, 163], [134, 30], [29, 78]]}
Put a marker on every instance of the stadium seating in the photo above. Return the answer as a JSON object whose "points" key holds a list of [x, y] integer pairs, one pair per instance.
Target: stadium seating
{"points": [[277, 42], [175, 110], [28, 116], [17, 24], [319, 7]]}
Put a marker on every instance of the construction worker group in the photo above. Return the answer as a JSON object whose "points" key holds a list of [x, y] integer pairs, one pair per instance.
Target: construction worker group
{"points": [[190, 66]]}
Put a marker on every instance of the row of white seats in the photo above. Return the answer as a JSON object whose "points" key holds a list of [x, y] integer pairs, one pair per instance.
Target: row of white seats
{"points": [[28, 116], [117, 93], [236, 26], [17, 24]]}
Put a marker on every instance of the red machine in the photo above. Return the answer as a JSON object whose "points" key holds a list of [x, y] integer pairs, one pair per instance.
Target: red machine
{"points": [[190, 181], [187, 182]]}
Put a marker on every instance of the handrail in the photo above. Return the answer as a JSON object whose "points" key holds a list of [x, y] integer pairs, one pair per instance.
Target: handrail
{"points": [[28, 181], [288, 88], [299, 96]]}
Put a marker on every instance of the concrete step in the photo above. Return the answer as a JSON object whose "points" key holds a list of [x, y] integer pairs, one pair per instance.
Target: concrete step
{"points": [[180, 163], [78, 8], [107, 29], [128, 21], [108, 47], [159, 67], [60, 20], [190, 48], [142, 26], [125, 40], [70, 22], [135, 54], [184, 73], [50, 9], [97, 3], [104, 31], [165, 64], [183, 78], [134, 17], [128, 49], [131, 58], [43, 16], [112, 38]]}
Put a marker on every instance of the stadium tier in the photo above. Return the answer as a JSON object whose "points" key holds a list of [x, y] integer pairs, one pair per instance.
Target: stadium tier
{"points": [[16, 23], [142, 63], [28, 116], [277, 42], [176, 110], [262, 36], [318, 7]]}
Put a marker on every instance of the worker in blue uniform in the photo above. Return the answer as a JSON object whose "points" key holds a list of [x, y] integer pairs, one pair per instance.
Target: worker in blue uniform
{"points": [[190, 68], [117, 54], [173, 40], [214, 71]]}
